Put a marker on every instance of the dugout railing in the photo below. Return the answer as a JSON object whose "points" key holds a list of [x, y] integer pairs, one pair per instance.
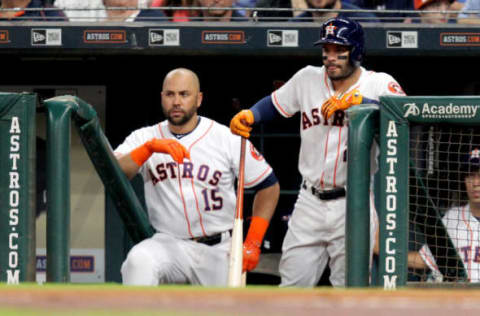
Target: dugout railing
{"points": [[61, 111], [421, 141], [17, 231], [363, 124]]}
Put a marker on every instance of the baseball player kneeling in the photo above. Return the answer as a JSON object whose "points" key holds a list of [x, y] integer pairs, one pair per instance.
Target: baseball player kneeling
{"points": [[189, 164]]}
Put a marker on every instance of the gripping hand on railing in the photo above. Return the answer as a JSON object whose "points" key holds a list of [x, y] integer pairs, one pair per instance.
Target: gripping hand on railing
{"points": [[334, 104]]}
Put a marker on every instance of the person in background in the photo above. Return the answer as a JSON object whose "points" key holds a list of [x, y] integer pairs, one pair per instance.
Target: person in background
{"points": [[456, 5], [132, 12], [462, 224], [245, 4], [30, 15], [82, 11], [271, 15], [177, 15], [385, 5], [280, 15], [220, 15], [320, 16], [433, 5], [470, 18]]}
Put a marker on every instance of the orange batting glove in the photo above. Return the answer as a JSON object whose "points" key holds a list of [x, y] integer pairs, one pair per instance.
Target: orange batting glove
{"points": [[334, 104], [251, 246], [167, 146], [240, 123]]}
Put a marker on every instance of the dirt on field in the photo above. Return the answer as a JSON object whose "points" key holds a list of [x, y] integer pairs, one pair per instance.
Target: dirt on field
{"points": [[250, 301]]}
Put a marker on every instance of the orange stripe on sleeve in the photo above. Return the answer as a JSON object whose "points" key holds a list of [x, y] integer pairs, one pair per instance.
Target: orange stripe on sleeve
{"points": [[279, 107], [252, 183]]}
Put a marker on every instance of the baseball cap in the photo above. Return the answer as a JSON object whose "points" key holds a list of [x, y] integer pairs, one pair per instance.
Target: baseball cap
{"points": [[419, 4], [470, 162]]}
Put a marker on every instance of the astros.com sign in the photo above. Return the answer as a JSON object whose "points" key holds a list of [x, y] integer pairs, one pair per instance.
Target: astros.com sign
{"points": [[440, 111]]}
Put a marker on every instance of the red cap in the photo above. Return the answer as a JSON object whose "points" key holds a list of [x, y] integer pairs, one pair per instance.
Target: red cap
{"points": [[419, 4]]}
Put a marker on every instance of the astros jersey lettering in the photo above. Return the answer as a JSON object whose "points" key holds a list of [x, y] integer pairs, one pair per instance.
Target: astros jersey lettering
{"points": [[196, 198], [322, 160]]}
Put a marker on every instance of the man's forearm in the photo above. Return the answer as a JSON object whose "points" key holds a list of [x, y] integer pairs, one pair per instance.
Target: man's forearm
{"points": [[264, 110], [264, 206], [128, 166], [265, 201], [415, 261]]}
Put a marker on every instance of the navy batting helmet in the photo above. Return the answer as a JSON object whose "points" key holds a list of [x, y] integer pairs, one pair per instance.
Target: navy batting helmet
{"points": [[343, 31], [470, 162]]}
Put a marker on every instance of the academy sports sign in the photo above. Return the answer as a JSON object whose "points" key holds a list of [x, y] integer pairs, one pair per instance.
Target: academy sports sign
{"points": [[444, 111]]}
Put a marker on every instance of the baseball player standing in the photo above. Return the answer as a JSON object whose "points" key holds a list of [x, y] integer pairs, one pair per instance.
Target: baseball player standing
{"points": [[316, 231], [189, 164], [462, 224]]}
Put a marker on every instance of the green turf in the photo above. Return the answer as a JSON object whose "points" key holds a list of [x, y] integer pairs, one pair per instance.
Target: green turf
{"points": [[83, 312]]}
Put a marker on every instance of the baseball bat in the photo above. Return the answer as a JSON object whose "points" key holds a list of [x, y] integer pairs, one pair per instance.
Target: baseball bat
{"points": [[237, 278]]}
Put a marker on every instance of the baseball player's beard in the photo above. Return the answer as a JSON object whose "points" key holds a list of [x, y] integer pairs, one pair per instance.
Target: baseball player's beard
{"points": [[182, 120], [344, 74]]}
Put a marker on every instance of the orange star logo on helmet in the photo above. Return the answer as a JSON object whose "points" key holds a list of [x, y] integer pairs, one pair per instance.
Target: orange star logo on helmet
{"points": [[475, 154], [330, 29]]}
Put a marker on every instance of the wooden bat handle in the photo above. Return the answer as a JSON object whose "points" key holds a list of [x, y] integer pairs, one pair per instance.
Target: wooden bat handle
{"points": [[241, 180]]}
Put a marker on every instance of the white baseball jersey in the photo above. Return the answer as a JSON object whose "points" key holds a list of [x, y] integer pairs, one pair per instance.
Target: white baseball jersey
{"points": [[196, 198], [322, 160], [316, 230], [464, 230]]}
